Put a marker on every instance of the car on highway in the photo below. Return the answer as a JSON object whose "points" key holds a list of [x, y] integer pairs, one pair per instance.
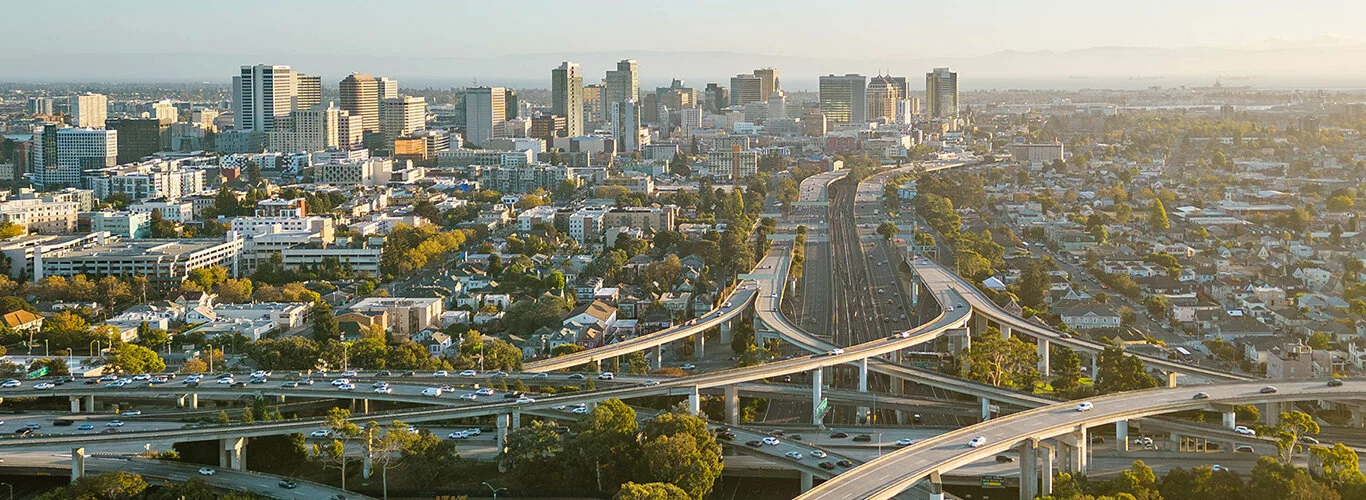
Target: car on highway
{"points": [[582, 410], [1200, 395], [689, 366], [466, 373], [606, 376], [578, 376], [977, 441], [905, 442], [1268, 390], [205, 471], [1145, 442], [1309, 441], [1337, 382], [484, 391], [1085, 406], [32, 427], [846, 463], [132, 413], [1218, 468], [116, 384], [320, 433], [259, 381], [432, 392], [899, 335], [835, 352], [379, 384], [289, 385], [838, 435], [754, 443], [11, 383], [863, 438], [649, 383], [1005, 459], [384, 390], [827, 465], [541, 375], [260, 374], [818, 454], [114, 423], [458, 435], [225, 380], [499, 374], [525, 400], [142, 376], [1243, 430], [82, 427], [793, 455], [347, 387], [474, 431], [726, 435], [350, 373], [287, 484], [43, 386], [770, 440], [341, 382]]}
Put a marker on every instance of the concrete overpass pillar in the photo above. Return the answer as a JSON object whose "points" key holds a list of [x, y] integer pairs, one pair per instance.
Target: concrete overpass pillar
{"points": [[77, 464], [90, 404], [1230, 419], [365, 406], [1271, 414], [699, 346], [816, 382], [1043, 356], [1122, 435], [193, 400], [1095, 357], [694, 402], [1005, 332], [75, 404], [1029, 470], [732, 404], [516, 420], [808, 481], [863, 375], [986, 409], [725, 332], [232, 453], [1046, 470], [659, 357], [936, 484], [501, 421], [1171, 379]]}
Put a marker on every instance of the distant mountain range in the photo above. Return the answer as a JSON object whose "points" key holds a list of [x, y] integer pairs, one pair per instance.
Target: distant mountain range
{"points": [[1266, 65]]}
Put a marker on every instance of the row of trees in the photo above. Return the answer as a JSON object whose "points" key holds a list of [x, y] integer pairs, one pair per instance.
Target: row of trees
{"points": [[1340, 479]]}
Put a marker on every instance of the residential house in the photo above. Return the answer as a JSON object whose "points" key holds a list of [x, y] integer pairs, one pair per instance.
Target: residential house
{"points": [[1089, 316], [22, 321]]}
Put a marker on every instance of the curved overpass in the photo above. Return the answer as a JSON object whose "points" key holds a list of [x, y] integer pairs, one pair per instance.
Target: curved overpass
{"points": [[892, 473]]}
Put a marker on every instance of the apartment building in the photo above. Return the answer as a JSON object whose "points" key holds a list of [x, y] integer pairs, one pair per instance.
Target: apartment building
{"points": [[405, 316]]}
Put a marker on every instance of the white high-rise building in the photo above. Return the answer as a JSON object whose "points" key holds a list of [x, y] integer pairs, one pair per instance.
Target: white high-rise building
{"points": [[566, 87], [77, 150], [89, 110], [306, 131], [350, 130], [401, 116], [941, 94], [262, 93], [626, 125], [777, 105], [485, 114], [165, 112], [387, 88]]}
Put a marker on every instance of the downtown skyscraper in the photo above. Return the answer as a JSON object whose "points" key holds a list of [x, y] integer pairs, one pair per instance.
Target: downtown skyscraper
{"points": [[844, 99], [623, 83], [941, 94], [566, 96], [264, 92]]}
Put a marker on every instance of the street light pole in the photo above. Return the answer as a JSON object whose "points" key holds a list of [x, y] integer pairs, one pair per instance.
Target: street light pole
{"points": [[495, 490], [11, 490]]}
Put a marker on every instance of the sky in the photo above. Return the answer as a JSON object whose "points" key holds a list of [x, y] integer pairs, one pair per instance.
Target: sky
{"points": [[460, 39]]}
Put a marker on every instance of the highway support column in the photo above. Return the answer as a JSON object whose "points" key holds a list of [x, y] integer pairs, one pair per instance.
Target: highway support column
{"points": [[986, 409], [1043, 356], [699, 345], [863, 387], [936, 486], [732, 404], [816, 382], [1005, 332], [1122, 435], [75, 404], [232, 453], [501, 421], [90, 404], [659, 357], [1046, 471], [1171, 379], [808, 481], [1230, 419], [77, 463], [516, 420], [1029, 469], [725, 331], [694, 401], [192, 400]]}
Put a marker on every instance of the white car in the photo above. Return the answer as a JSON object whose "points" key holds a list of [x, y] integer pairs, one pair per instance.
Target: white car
{"points": [[132, 413], [44, 386], [466, 373], [1244, 431], [444, 373], [905, 442], [689, 366], [320, 433], [457, 435], [205, 471], [142, 376], [977, 441], [349, 373], [341, 382], [818, 454], [835, 352], [770, 440], [541, 375], [525, 400], [225, 380], [11, 383], [116, 384], [114, 423], [432, 392], [649, 383], [1085, 406], [560, 408], [793, 455], [379, 384], [582, 410], [260, 374], [469, 396], [484, 391], [1217, 468], [384, 390], [347, 387], [606, 376]]}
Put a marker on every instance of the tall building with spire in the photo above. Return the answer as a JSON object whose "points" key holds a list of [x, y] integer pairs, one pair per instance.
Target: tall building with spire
{"points": [[566, 96], [884, 93]]}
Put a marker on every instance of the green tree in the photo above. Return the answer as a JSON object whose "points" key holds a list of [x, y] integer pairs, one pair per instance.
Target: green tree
{"points": [[603, 443], [1339, 465], [887, 229], [106, 486], [130, 358], [531, 451], [1156, 305], [1127, 316], [676, 448], [1340, 203], [1292, 426], [1320, 341], [1001, 362], [343, 431], [1117, 372], [1157, 216], [1139, 481], [1066, 368], [1034, 286], [324, 322], [1272, 479], [650, 491]]}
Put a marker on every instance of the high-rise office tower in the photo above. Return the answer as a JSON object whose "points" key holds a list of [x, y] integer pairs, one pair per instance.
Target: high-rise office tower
{"points": [[941, 94], [262, 93], [165, 112], [41, 106], [387, 88], [844, 99], [401, 116], [306, 131], [626, 125], [777, 105], [595, 102], [350, 131], [310, 91], [89, 110], [768, 82], [717, 97], [484, 114], [677, 96], [62, 155], [624, 82], [137, 137], [745, 89], [510, 104], [883, 96], [566, 96], [360, 97]]}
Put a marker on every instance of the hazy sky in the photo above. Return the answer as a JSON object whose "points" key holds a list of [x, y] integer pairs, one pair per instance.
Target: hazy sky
{"points": [[325, 33]]}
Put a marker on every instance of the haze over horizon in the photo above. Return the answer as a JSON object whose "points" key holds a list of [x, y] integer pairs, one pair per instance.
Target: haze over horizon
{"points": [[1047, 44]]}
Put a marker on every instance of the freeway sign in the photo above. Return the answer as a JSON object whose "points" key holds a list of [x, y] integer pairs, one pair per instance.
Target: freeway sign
{"points": [[38, 373], [993, 481], [823, 407]]}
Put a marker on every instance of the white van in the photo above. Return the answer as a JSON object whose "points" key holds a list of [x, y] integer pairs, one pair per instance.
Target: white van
{"points": [[432, 392]]}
